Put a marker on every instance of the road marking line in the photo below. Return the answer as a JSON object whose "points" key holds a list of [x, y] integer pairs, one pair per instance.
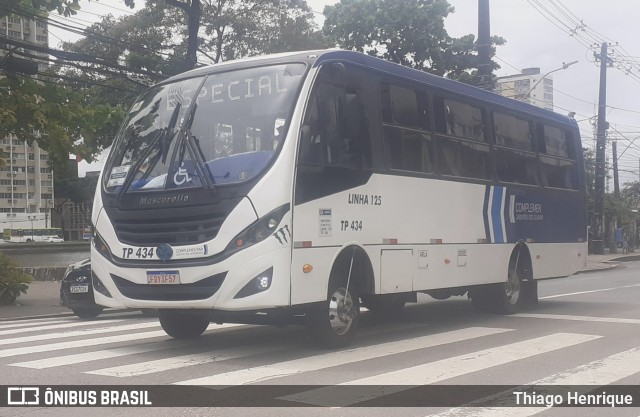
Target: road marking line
{"points": [[24, 350], [86, 332], [56, 326], [578, 318], [176, 362], [4, 353], [597, 373], [438, 371], [588, 292], [32, 322], [316, 362], [112, 353]]}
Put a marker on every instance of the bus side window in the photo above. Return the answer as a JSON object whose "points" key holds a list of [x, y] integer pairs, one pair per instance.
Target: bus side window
{"points": [[334, 128], [352, 129]]}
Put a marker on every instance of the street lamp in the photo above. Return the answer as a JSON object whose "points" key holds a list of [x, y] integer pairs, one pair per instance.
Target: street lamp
{"points": [[563, 67]]}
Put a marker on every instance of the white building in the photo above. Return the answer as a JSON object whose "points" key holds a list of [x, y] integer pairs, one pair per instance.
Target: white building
{"points": [[26, 182], [528, 87]]}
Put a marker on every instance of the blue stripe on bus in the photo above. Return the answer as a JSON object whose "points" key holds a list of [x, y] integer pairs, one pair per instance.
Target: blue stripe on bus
{"points": [[485, 213], [496, 214]]}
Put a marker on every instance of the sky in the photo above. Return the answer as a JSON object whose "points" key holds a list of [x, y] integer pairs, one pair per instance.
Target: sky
{"points": [[538, 34]]}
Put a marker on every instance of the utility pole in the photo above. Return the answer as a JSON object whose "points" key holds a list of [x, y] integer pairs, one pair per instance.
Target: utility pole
{"points": [[616, 182], [613, 243], [597, 226], [484, 44]]}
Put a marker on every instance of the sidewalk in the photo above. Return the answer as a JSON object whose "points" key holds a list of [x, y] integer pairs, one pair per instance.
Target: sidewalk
{"points": [[43, 297]]}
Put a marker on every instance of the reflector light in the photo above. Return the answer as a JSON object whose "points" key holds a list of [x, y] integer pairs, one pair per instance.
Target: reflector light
{"points": [[307, 268]]}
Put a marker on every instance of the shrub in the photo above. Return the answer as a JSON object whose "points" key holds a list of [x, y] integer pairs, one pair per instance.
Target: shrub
{"points": [[13, 281]]}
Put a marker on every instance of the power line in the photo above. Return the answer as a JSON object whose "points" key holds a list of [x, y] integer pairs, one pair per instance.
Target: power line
{"points": [[83, 31]]}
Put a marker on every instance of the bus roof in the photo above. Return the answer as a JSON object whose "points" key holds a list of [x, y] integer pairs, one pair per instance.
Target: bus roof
{"points": [[316, 58]]}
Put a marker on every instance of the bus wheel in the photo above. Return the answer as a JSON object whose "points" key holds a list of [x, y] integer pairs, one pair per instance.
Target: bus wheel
{"points": [[389, 304], [510, 293], [334, 324], [182, 325]]}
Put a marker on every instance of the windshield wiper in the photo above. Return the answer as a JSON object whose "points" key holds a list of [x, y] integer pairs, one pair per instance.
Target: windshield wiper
{"points": [[196, 142], [168, 133], [164, 148]]}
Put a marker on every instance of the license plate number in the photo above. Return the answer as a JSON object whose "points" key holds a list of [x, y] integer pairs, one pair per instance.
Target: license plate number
{"points": [[75, 289], [163, 277]]}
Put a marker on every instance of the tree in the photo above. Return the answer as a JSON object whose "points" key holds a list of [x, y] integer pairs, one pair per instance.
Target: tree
{"points": [[69, 189], [54, 115], [409, 33]]}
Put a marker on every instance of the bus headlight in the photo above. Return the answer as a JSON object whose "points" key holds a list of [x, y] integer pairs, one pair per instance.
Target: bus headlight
{"points": [[100, 246], [260, 283], [258, 231]]}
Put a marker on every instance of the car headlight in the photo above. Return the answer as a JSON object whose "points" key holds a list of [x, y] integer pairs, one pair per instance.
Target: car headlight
{"points": [[259, 230]]}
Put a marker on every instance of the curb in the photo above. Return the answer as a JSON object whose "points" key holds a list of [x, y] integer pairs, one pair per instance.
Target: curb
{"points": [[606, 268]]}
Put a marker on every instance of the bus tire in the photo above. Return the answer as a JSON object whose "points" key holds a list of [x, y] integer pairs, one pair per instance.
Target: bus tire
{"points": [[180, 325], [510, 295], [333, 324]]}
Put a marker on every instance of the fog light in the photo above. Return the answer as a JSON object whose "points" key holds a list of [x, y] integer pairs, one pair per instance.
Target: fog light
{"points": [[264, 283], [260, 283]]}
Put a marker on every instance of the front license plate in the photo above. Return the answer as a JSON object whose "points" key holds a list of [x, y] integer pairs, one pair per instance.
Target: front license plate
{"points": [[163, 277], [76, 289]]}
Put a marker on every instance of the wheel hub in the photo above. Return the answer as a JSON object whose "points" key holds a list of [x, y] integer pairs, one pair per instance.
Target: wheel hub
{"points": [[341, 311]]}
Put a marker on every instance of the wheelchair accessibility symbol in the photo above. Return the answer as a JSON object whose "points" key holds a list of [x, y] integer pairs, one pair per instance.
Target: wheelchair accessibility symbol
{"points": [[181, 176]]}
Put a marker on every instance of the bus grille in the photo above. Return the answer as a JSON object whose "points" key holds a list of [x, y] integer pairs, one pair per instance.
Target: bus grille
{"points": [[184, 226], [199, 290]]}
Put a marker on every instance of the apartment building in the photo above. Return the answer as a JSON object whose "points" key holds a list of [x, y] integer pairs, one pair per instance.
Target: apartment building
{"points": [[26, 182], [528, 86]]}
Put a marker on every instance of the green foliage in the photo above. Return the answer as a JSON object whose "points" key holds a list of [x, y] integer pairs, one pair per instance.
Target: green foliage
{"points": [[57, 116], [13, 282], [409, 33], [631, 194]]}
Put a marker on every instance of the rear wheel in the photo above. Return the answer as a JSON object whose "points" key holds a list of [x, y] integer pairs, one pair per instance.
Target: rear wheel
{"points": [[505, 298], [509, 296], [334, 323], [181, 325]]}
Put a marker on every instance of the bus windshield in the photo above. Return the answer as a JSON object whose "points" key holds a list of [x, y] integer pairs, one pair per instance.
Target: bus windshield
{"points": [[226, 126]]}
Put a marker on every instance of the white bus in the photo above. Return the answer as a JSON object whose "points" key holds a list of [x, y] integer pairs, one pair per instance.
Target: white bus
{"points": [[28, 234], [296, 187]]}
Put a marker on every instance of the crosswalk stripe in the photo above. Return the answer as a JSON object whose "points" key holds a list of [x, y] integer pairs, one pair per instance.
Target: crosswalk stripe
{"points": [[86, 332], [578, 318], [176, 362], [33, 322], [441, 370], [25, 350], [56, 326], [100, 354], [316, 362], [93, 356], [600, 372]]}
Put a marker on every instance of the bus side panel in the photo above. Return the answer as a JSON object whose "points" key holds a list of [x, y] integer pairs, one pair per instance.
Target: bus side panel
{"points": [[553, 260]]}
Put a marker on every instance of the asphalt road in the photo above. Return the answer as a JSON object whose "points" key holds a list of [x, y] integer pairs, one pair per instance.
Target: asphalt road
{"points": [[584, 331]]}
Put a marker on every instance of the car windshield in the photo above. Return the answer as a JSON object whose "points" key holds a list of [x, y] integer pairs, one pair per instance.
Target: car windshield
{"points": [[227, 127]]}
